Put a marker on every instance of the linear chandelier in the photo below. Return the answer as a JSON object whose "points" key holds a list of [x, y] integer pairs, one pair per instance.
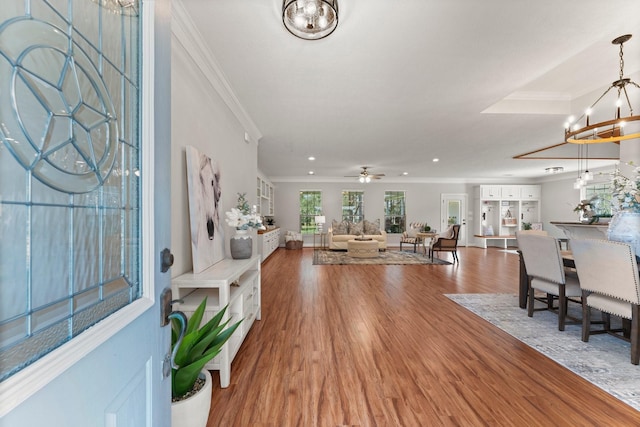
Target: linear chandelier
{"points": [[310, 19], [614, 130]]}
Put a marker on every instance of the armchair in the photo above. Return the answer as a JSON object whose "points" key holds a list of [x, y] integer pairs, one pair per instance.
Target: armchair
{"points": [[447, 242], [410, 236]]}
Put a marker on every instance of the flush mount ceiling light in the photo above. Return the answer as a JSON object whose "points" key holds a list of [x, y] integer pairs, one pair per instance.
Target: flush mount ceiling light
{"points": [[554, 169], [310, 19], [614, 130]]}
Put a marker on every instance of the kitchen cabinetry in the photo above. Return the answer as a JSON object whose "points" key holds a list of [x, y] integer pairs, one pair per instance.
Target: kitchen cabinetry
{"points": [[498, 219], [235, 283], [268, 241]]}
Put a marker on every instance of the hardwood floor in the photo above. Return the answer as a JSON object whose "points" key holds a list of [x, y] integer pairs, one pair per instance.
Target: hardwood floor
{"points": [[343, 345]]}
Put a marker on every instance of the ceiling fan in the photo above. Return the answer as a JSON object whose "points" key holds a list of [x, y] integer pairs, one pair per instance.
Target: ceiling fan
{"points": [[365, 176]]}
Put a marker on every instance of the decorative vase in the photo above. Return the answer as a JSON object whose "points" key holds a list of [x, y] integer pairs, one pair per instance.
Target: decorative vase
{"points": [[625, 227], [241, 245], [193, 411]]}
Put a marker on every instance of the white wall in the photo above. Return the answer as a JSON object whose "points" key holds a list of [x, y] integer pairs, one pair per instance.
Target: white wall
{"points": [[558, 200], [202, 118], [422, 202]]}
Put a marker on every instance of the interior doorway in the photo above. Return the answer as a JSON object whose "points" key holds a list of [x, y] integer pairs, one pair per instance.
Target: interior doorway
{"points": [[453, 211]]}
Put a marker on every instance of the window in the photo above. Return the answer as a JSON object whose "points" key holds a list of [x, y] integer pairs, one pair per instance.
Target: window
{"points": [[310, 206], [394, 211], [353, 206], [70, 186], [602, 197]]}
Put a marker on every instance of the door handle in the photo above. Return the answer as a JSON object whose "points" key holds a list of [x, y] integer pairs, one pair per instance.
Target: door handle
{"points": [[182, 319]]}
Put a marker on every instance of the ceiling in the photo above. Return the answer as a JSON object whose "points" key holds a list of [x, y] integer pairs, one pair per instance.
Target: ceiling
{"points": [[472, 83]]}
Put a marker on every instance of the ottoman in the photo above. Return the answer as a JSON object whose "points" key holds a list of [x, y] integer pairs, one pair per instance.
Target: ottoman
{"points": [[362, 248]]}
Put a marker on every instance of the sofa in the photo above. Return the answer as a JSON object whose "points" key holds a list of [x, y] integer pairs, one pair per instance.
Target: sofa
{"points": [[341, 232]]}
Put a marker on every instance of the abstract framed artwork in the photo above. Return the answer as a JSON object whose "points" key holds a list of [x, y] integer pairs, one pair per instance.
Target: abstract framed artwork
{"points": [[207, 235]]}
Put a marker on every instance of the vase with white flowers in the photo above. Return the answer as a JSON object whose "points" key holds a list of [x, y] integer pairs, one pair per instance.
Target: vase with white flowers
{"points": [[242, 218], [625, 192]]}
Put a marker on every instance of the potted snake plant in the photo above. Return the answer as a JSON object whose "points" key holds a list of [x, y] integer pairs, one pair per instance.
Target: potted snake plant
{"points": [[199, 345]]}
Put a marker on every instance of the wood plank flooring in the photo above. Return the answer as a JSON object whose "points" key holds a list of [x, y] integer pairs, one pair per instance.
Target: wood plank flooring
{"points": [[343, 345]]}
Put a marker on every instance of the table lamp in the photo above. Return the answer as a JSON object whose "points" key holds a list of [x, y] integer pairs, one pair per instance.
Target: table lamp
{"points": [[320, 220]]}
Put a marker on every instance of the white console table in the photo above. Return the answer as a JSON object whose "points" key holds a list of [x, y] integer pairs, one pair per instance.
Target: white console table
{"points": [[235, 283]]}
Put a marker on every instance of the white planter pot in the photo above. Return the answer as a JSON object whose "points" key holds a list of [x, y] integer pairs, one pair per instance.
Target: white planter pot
{"points": [[194, 411]]}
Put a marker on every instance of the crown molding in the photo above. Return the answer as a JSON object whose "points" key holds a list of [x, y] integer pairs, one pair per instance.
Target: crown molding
{"points": [[185, 32]]}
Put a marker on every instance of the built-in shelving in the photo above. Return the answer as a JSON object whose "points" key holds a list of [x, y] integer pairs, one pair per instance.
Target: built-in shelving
{"points": [[265, 197], [500, 211]]}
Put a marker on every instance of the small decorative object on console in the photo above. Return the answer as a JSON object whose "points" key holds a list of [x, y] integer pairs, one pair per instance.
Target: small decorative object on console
{"points": [[241, 245]]}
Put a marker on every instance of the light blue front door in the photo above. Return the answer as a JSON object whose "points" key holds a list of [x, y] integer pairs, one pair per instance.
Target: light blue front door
{"points": [[110, 374]]}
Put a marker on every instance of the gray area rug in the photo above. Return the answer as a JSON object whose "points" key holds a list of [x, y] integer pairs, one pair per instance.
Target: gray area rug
{"points": [[326, 257], [603, 361]]}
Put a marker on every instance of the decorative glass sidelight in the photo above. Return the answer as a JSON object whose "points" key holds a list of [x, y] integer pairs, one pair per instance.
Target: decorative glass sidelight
{"points": [[69, 172]]}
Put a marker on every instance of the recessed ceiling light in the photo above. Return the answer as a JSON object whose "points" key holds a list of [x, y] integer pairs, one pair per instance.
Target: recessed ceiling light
{"points": [[311, 172], [311, 158], [435, 159], [405, 173]]}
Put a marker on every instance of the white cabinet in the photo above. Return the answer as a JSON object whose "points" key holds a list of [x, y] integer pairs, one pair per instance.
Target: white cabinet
{"points": [[498, 219], [490, 192], [235, 283], [268, 241], [530, 192], [265, 197], [510, 192]]}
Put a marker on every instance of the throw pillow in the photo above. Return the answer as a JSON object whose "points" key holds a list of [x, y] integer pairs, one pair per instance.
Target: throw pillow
{"points": [[372, 227], [412, 232], [356, 228], [340, 227], [447, 234]]}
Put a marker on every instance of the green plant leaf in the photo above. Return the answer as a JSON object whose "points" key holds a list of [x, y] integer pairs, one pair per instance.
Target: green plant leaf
{"points": [[203, 341], [213, 341], [214, 322], [184, 378], [182, 354], [196, 318]]}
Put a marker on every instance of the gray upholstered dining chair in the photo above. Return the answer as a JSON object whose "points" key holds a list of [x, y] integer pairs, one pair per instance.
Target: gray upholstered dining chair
{"points": [[547, 274], [523, 286], [608, 275]]}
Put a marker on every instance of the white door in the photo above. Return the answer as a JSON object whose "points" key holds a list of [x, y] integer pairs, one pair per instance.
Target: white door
{"points": [[453, 211], [112, 373]]}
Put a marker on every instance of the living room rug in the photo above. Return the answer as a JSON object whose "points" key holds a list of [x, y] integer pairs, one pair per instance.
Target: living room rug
{"points": [[603, 361], [326, 257]]}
